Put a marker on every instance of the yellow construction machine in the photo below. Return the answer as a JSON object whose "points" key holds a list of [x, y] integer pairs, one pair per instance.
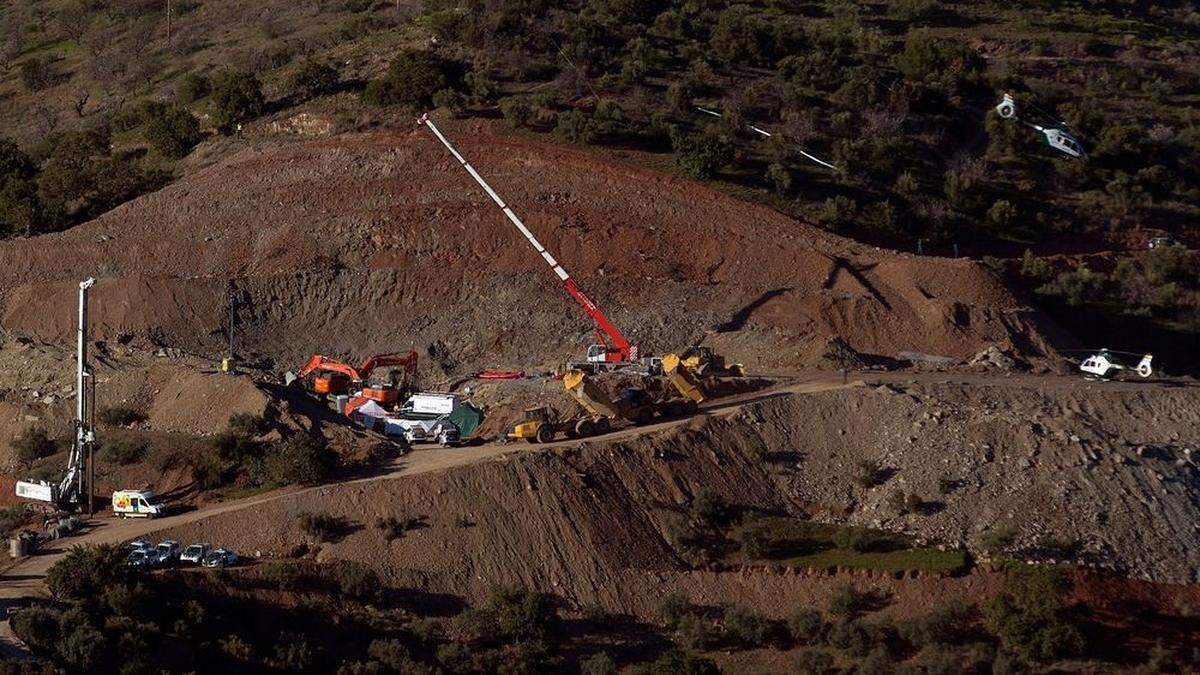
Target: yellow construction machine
{"points": [[705, 362], [683, 377], [542, 425]]}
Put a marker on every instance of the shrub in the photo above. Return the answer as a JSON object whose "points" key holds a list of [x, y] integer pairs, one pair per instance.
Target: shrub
{"points": [[870, 474], [457, 658], [837, 212], [301, 459], [248, 424], [120, 416], [1029, 617], [1075, 286], [83, 647], [674, 606], [747, 627], [20, 207], [412, 79], [122, 452], [206, 470], [313, 79], [173, 131], [710, 508], [940, 62], [695, 632], [598, 664], [945, 625], [701, 155], [85, 572], [236, 98], [517, 110], [852, 637], [321, 527], [38, 626], [806, 626], [193, 88], [813, 662], [357, 581], [394, 528], [520, 615], [281, 575], [846, 600], [37, 74], [233, 447], [676, 662], [33, 443]]}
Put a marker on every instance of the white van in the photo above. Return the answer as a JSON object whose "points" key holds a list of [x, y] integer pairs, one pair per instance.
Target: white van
{"points": [[136, 504]]}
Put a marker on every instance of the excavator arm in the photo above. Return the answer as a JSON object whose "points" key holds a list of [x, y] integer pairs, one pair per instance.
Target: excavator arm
{"points": [[407, 359], [326, 364], [616, 347]]}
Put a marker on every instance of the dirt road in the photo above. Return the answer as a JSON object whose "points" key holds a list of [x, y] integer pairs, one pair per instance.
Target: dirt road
{"points": [[25, 578]]}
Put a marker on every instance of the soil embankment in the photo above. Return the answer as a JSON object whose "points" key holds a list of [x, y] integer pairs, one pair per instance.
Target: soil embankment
{"points": [[378, 242]]}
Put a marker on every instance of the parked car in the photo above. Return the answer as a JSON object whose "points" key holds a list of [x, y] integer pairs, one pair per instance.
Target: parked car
{"points": [[141, 559], [221, 558], [168, 552], [194, 554], [1162, 242], [139, 545]]}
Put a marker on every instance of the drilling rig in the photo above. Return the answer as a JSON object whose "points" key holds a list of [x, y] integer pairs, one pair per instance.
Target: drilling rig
{"points": [[74, 491]]}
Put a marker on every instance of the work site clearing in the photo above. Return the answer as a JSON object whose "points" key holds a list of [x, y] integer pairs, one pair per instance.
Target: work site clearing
{"points": [[904, 426]]}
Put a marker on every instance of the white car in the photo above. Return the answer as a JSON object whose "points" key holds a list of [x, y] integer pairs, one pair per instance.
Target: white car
{"points": [[220, 558], [194, 554], [168, 552]]}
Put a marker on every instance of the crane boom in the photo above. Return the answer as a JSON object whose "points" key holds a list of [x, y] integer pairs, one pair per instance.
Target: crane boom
{"points": [[616, 347]]}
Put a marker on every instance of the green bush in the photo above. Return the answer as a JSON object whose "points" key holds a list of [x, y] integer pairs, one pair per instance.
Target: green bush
{"points": [[598, 664], [746, 626], [122, 452], [357, 581], [38, 627], [193, 88], [284, 576], [806, 625], [173, 131], [938, 61], [234, 447], [945, 625], [38, 74], [674, 606], [846, 600], [702, 155], [236, 98], [85, 572], [870, 473], [1029, 617], [321, 527], [676, 662], [206, 470], [33, 443], [521, 616], [710, 508], [301, 459], [121, 416], [517, 110], [813, 662], [313, 79], [248, 425], [412, 79]]}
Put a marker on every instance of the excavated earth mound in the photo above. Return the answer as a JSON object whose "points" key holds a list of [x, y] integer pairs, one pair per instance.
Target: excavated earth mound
{"points": [[1044, 461], [379, 242]]}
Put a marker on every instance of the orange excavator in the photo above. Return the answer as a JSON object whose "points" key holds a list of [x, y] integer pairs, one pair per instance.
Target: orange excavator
{"points": [[331, 376]]}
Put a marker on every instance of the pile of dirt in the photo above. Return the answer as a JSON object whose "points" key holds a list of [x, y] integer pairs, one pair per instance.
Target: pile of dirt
{"points": [[591, 522], [361, 244]]}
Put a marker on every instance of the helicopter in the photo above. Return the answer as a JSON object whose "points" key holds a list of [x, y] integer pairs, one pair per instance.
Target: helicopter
{"points": [[1103, 365], [1056, 133]]}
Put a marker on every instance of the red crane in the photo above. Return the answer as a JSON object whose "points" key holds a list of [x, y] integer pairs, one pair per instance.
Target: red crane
{"points": [[613, 347]]}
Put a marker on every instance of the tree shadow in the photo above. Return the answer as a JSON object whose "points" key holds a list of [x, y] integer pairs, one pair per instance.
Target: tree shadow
{"points": [[739, 319]]}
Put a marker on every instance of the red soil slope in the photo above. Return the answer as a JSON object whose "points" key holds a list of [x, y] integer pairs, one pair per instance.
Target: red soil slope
{"points": [[382, 241]]}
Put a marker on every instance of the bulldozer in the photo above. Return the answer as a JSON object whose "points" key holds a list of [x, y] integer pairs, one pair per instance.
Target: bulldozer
{"points": [[704, 361]]}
